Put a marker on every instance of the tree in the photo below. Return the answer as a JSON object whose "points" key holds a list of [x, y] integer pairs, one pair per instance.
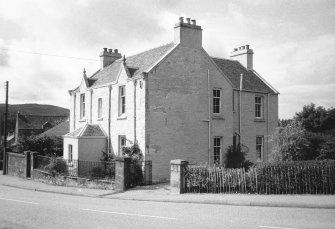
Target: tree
{"points": [[48, 146], [290, 143], [316, 119]]}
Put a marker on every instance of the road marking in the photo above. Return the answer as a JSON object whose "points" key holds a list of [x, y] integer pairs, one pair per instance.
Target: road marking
{"points": [[131, 214], [20, 201], [277, 227]]}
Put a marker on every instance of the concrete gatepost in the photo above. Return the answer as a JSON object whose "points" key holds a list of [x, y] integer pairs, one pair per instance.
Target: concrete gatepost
{"points": [[29, 162], [33, 160], [177, 176], [122, 169]]}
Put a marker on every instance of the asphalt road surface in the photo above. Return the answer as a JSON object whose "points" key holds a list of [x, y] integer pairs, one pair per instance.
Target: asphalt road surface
{"points": [[30, 209]]}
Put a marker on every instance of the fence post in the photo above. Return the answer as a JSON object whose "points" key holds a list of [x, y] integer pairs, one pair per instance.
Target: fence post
{"points": [[122, 170], [177, 175]]}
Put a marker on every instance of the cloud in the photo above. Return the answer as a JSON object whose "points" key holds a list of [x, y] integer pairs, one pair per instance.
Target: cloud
{"points": [[4, 58], [292, 41]]}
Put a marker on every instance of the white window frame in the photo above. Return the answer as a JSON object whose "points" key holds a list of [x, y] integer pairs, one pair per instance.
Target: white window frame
{"points": [[259, 107], [70, 152], [122, 143], [259, 147], [217, 149], [82, 106], [215, 99], [122, 100], [99, 108]]}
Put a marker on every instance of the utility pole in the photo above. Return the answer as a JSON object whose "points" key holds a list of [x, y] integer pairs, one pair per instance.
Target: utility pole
{"points": [[5, 134]]}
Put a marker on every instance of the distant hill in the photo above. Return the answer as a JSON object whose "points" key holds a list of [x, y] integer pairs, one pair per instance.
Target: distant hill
{"points": [[34, 109], [29, 108]]}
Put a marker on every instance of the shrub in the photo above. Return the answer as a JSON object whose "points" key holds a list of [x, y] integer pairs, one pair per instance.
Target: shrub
{"points": [[56, 166], [236, 158], [61, 167]]}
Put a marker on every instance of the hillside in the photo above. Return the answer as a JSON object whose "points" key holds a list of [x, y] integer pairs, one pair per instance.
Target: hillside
{"points": [[29, 108], [34, 109]]}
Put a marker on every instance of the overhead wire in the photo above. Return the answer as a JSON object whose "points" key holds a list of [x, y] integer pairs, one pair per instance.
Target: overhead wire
{"points": [[46, 54]]}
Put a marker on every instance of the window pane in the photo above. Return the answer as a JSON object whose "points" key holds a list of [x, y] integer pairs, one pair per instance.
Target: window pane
{"points": [[217, 150], [82, 105], [259, 147], [258, 107], [122, 100], [216, 101]]}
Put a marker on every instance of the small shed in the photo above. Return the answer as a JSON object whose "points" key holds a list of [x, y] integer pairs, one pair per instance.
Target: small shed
{"points": [[85, 143]]}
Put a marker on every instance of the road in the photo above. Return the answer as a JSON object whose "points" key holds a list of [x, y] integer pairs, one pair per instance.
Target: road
{"points": [[30, 209]]}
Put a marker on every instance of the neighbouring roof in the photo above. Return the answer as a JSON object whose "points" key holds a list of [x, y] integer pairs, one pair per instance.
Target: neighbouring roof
{"points": [[88, 130], [37, 121], [137, 64], [59, 130], [233, 70]]}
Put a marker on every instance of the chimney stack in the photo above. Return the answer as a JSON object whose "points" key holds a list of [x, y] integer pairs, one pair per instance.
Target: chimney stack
{"points": [[188, 34], [107, 57], [244, 55]]}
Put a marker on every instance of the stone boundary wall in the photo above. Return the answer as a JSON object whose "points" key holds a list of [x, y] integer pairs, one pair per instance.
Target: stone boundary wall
{"points": [[44, 177], [24, 165], [17, 164]]}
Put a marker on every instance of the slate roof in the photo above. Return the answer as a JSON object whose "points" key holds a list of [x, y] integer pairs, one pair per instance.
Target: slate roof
{"points": [[75, 133], [142, 62], [93, 130], [37, 121], [59, 130], [137, 63], [87, 130], [233, 69]]}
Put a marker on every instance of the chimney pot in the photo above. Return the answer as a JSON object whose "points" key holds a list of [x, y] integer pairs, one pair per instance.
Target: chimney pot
{"points": [[188, 34], [244, 55], [181, 19], [116, 51], [110, 50], [105, 49]]}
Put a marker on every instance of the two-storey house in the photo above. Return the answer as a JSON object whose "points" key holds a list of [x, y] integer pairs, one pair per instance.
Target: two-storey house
{"points": [[175, 101]]}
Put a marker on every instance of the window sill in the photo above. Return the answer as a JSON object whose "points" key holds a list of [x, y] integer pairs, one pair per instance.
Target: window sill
{"points": [[218, 116], [122, 117], [82, 120], [259, 120], [100, 119]]}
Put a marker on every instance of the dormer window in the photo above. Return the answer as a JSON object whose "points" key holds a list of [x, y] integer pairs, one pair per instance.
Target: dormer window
{"points": [[82, 106], [122, 100], [99, 108]]}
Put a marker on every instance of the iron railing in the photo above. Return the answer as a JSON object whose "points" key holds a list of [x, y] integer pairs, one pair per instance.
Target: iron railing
{"points": [[77, 168]]}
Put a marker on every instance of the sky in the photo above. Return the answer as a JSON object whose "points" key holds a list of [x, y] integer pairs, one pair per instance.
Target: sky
{"points": [[293, 42]]}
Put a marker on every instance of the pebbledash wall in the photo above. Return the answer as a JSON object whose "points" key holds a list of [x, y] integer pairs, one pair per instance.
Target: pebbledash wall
{"points": [[171, 104]]}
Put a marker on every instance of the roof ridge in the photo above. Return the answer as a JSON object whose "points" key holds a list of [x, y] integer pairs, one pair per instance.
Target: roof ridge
{"points": [[221, 58], [149, 50]]}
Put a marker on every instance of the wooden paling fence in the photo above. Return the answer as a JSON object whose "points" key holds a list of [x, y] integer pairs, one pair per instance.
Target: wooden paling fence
{"points": [[311, 177]]}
